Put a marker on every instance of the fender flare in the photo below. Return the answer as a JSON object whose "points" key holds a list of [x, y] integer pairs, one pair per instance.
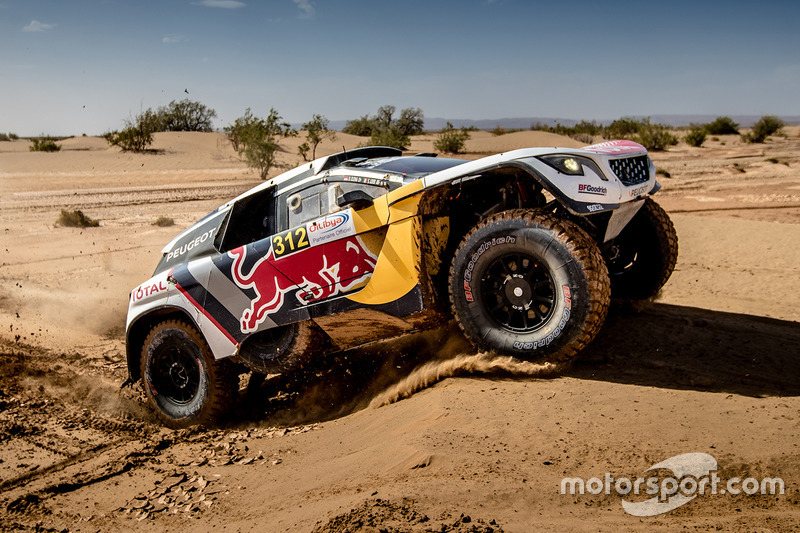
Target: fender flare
{"points": [[139, 328]]}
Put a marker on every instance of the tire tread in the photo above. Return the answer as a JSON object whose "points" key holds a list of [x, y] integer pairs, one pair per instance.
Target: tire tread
{"points": [[583, 249]]}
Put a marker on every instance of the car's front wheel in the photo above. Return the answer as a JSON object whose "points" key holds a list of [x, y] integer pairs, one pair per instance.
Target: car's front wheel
{"points": [[529, 284], [182, 380], [642, 258]]}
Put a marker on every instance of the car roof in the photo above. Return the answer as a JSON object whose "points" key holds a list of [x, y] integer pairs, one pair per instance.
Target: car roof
{"points": [[409, 166]]}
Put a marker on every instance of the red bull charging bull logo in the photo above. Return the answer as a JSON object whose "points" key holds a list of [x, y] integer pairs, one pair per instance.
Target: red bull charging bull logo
{"points": [[316, 273]]}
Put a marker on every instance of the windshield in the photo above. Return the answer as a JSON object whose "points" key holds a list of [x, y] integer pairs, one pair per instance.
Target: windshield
{"points": [[415, 167]]}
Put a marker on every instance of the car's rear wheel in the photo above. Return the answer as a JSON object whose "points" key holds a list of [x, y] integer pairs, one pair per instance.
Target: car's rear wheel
{"points": [[282, 348], [529, 284], [182, 380]]}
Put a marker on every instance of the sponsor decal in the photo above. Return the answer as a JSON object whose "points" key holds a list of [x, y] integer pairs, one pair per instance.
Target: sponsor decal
{"points": [[143, 291], [380, 182], [616, 147], [585, 188], [594, 207], [559, 327], [638, 191], [479, 252], [331, 227], [314, 233], [187, 247], [319, 273]]}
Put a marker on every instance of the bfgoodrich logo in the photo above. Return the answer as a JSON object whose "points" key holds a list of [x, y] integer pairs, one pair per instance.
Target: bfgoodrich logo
{"points": [[591, 189], [692, 474]]}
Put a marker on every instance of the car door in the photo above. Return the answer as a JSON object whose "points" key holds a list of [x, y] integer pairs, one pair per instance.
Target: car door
{"points": [[321, 251], [246, 292]]}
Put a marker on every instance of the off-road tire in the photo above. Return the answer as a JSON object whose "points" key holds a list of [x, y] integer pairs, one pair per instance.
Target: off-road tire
{"points": [[642, 257], [183, 382], [545, 258]]}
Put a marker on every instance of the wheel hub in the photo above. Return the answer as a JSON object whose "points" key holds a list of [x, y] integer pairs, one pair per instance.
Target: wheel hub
{"points": [[175, 372], [517, 291], [178, 375]]}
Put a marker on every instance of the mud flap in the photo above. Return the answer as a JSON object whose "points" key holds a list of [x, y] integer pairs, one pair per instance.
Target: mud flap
{"points": [[620, 218]]}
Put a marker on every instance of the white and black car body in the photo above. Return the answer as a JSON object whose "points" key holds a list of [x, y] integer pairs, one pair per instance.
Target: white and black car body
{"points": [[370, 236]]}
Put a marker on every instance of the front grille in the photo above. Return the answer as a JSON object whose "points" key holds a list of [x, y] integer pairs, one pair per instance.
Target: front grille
{"points": [[631, 170]]}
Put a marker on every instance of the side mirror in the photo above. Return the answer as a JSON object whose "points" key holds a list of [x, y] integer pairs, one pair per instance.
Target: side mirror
{"points": [[355, 199]]}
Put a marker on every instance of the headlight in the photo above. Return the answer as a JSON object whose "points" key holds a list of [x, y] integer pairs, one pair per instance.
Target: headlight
{"points": [[571, 165]]}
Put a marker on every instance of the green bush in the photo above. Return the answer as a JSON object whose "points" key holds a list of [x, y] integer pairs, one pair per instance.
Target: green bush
{"points": [[623, 128], [76, 219], [385, 130], [239, 130], [316, 130], [500, 130], [451, 140], [185, 115], [654, 137], [695, 137], [4, 137], [131, 139], [44, 144], [361, 126], [722, 126], [583, 131], [411, 121], [390, 132], [137, 135], [390, 136], [766, 126], [651, 136], [256, 139]]}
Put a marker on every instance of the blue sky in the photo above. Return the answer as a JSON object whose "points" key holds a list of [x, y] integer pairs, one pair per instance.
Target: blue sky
{"points": [[84, 66]]}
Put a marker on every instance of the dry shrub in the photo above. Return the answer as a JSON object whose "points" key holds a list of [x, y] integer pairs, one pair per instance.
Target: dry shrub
{"points": [[76, 219], [164, 222]]}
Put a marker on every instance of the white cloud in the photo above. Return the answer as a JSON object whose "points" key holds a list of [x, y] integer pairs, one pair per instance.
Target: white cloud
{"points": [[305, 6], [36, 26], [169, 39], [224, 4]]}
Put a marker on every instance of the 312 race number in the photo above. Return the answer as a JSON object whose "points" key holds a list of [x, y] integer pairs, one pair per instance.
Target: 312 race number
{"points": [[289, 241]]}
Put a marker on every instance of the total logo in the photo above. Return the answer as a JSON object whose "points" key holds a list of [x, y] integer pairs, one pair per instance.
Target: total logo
{"points": [[591, 189]]}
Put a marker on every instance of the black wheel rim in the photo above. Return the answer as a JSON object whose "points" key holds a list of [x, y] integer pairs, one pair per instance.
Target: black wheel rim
{"points": [[622, 257], [517, 292], [175, 371]]}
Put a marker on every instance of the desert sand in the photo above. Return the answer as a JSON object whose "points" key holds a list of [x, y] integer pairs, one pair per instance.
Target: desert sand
{"points": [[472, 444]]}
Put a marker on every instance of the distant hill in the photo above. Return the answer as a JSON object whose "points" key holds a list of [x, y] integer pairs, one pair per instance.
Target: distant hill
{"points": [[435, 123]]}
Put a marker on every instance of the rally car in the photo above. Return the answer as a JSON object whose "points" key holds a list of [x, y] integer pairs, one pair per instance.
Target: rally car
{"points": [[524, 249]]}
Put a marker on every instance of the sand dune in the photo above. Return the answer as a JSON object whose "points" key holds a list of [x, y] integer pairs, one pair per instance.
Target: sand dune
{"points": [[453, 441]]}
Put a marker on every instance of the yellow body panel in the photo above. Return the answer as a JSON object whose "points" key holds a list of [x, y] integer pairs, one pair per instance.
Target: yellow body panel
{"points": [[391, 207], [372, 217], [397, 270]]}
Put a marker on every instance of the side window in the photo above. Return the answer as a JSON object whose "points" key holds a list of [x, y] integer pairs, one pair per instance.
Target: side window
{"points": [[374, 191], [307, 204], [249, 220], [321, 199]]}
